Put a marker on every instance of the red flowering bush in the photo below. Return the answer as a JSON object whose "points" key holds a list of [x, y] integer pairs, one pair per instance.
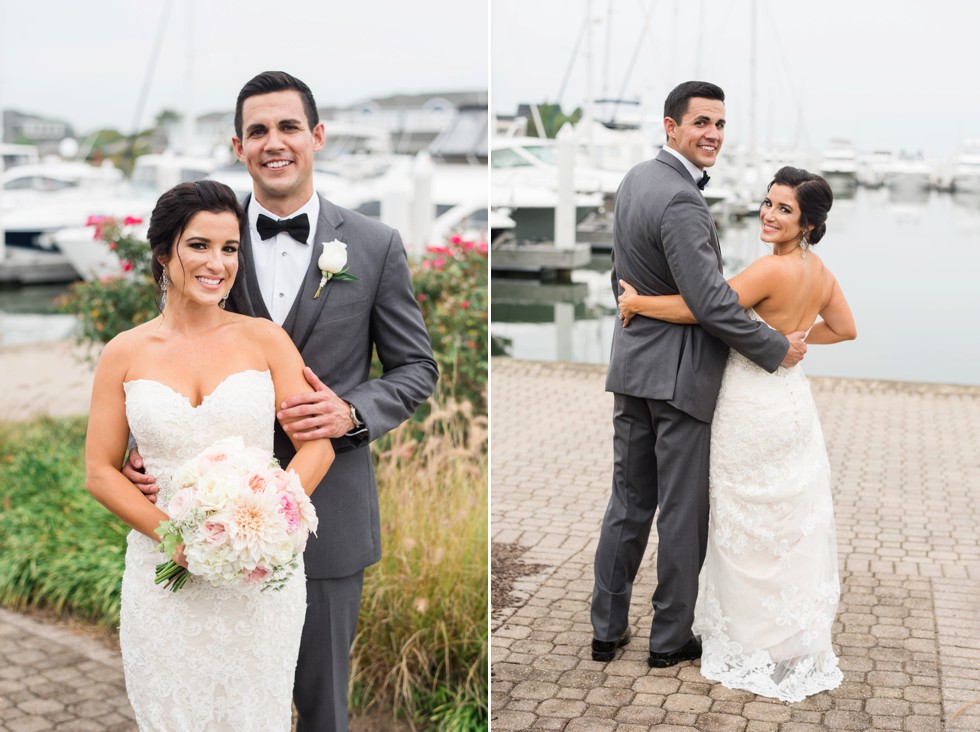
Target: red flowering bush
{"points": [[451, 286], [115, 303]]}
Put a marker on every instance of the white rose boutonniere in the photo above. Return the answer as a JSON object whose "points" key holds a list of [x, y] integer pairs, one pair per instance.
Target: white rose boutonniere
{"points": [[333, 264]]}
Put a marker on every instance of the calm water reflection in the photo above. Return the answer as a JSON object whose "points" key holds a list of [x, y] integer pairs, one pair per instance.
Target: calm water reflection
{"points": [[907, 263]]}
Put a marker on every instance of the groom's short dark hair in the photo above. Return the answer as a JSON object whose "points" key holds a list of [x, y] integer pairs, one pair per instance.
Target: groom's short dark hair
{"points": [[676, 103], [276, 81]]}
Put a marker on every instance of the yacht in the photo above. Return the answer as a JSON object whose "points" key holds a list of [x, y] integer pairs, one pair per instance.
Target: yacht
{"points": [[966, 168], [909, 171]]}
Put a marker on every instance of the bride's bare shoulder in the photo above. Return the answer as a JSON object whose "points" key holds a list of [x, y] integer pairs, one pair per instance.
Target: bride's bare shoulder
{"points": [[264, 331], [124, 347]]}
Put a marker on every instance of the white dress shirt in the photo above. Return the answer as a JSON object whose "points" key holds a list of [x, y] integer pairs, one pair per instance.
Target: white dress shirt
{"points": [[693, 169], [281, 262]]}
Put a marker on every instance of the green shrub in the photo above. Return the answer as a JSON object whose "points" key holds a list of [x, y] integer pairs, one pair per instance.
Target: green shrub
{"points": [[58, 547]]}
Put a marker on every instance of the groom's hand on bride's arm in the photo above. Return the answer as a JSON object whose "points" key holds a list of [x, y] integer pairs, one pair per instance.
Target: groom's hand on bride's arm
{"points": [[315, 414], [133, 471], [797, 349]]}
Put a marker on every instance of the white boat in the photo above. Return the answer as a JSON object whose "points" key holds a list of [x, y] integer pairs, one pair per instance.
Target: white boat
{"points": [[12, 155], [524, 186], [873, 168], [966, 168], [909, 171], [839, 159], [39, 199]]}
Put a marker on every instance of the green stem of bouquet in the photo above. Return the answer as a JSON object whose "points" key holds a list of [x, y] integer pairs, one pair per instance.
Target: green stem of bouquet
{"points": [[172, 574]]}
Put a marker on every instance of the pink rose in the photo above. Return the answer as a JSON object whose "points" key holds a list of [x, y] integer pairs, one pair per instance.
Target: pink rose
{"points": [[258, 483], [215, 532], [257, 575]]}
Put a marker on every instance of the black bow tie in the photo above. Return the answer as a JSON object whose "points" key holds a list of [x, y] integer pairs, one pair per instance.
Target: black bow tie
{"points": [[297, 227], [704, 180]]}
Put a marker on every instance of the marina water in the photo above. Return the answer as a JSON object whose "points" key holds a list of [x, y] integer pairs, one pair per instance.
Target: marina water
{"points": [[908, 264]]}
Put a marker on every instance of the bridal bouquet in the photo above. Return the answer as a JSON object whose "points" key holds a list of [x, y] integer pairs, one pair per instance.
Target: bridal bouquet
{"points": [[242, 519]]}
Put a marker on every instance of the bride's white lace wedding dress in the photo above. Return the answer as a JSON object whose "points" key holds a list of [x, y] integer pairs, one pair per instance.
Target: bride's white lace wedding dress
{"points": [[204, 658], [769, 588]]}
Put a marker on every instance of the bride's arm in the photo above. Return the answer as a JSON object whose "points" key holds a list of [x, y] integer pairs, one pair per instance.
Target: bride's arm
{"points": [[313, 457], [836, 322], [751, 285], [106, 441]]}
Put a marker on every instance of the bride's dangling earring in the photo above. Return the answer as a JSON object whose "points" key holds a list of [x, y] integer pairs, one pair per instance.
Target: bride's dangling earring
{"points": [[804, 245], [164, 286], [224, 300]]}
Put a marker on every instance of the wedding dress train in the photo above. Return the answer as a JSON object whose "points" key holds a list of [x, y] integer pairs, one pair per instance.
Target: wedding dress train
{"points": [[769, 588], [204, 658]]}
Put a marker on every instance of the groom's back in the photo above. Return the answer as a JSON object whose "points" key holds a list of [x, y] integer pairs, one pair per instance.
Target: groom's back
{"points": [[653, 359]]}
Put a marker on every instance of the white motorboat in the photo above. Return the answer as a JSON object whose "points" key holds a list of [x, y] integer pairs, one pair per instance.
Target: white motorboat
{"points": [[39, 199], [966, 168], [839, 159], [525, 180], [874, 167], [909, 171]]}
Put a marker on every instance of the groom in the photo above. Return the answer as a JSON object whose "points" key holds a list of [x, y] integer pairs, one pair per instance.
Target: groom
{"points": [[277, 133], [665, 380]]}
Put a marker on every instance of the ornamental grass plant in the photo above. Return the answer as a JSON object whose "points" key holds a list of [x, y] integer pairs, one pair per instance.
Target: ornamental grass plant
{"points": [[423, 631]]}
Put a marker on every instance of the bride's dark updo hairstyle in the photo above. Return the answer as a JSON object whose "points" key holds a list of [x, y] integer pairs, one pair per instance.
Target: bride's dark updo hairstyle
{"points": [[814, 196], [175, 209]]}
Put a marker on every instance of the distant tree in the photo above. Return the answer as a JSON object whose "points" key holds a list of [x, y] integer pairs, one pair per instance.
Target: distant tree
{"points": [[167, 116], [553, 119]]}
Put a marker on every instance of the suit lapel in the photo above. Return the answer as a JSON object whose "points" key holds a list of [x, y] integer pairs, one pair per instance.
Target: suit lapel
{"points": [[305, 310], [256, 302]]}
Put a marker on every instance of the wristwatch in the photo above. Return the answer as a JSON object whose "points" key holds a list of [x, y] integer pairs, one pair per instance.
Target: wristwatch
{"points": [[355, 418]]}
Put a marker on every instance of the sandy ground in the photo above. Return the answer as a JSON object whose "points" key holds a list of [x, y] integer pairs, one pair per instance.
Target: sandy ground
{"points": [[45, 379]]}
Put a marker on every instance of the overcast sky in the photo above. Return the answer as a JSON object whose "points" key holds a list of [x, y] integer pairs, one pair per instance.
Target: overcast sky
{"points": [[86, 62], [886, 73]]}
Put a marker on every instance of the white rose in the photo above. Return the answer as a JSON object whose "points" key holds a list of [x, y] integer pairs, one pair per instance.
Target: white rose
{"points": [[182, 503], [334, 257]]}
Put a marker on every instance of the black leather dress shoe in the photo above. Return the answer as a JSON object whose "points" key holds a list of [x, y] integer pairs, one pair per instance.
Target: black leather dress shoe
{"points": [[688, 652], [606, 650]]}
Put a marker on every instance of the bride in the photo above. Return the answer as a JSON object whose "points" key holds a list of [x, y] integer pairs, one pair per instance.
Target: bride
{"points": [[769, 587], [202, 657]]}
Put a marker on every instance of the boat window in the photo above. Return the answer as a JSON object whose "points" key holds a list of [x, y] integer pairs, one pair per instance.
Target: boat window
{"points": [[38, 183], [507, 159], [188, 175], [545, 154]]}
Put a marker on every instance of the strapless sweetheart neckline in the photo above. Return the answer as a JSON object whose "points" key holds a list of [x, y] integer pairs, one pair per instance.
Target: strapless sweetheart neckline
{"points": [[206, 396]]}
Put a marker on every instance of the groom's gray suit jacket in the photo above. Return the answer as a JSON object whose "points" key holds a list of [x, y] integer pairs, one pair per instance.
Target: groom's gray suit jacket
{"points": [[335, 333], [665, 243]]}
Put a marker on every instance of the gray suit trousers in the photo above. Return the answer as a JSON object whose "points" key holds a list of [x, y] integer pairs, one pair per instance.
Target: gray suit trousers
{"points": [[660, 461], [320, 688]]}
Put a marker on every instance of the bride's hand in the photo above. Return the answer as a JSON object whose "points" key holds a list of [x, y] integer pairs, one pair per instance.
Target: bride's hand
{"points": [[179, 557], [626, 302]]}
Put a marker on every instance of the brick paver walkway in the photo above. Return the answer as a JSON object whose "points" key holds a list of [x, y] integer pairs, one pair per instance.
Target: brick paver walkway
{"points": [[52, 678], [906, 462]]}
